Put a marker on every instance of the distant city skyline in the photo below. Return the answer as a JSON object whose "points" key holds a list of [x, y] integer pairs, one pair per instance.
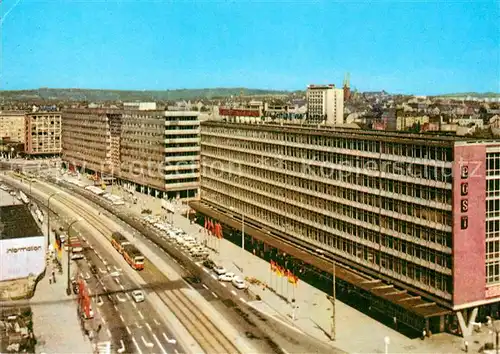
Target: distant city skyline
{"points": [[422, 48]]}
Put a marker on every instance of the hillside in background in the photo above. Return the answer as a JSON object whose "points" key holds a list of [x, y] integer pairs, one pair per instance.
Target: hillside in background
{"points": [[117, 95], [472, 94]]}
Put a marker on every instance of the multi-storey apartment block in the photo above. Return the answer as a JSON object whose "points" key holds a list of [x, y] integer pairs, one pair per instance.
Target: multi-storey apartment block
{"points": [[403, 216], [12, 125], [154, 152], [43, 133], [325, 104]]}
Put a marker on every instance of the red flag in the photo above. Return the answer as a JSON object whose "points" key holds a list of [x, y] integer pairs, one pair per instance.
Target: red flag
{"points": [[272, 265], [220, 234], [205, 223]]}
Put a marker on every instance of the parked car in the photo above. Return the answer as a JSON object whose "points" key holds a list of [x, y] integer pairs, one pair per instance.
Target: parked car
{"points": [[219, 269], [208, 263], [76, 256], [226, 277], [239, 283], [138, 295]]}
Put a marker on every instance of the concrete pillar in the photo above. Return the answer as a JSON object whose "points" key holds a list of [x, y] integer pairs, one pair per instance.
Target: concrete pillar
{"points": [[466, 321]]}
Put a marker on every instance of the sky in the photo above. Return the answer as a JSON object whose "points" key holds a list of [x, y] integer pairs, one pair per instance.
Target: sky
{"points": [[413, 47]]}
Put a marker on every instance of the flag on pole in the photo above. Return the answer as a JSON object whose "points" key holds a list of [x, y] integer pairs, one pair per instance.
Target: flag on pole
{"points": [[206, 223], [273, 266]]}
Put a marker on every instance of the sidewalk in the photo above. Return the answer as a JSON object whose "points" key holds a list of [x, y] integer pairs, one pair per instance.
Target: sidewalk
{"points": [[55, 320]]}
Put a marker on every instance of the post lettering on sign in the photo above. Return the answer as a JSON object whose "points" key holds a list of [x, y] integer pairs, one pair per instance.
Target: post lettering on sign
{"points": [[464, 222], [464, 205], [464, 189], [464, 172]]}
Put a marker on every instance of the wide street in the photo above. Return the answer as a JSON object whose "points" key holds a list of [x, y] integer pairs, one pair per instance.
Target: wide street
{"points": [[135, 327]]}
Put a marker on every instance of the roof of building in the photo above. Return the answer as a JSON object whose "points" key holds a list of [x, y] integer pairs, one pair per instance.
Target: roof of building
{"points": [[16, 221]]}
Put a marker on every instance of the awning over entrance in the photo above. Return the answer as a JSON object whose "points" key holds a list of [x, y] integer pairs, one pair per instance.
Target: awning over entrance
{"points": [[412, 303]]}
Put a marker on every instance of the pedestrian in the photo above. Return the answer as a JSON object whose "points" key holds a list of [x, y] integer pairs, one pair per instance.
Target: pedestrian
{"points": [[424, 334], [395, 320], [466, 346]]}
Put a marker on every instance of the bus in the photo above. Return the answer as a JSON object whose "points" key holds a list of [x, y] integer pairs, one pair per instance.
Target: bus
{"points": [[133, 257], [119, 241]]}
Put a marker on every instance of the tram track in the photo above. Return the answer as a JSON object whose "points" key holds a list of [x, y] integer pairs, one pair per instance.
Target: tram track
{"points": [[199, 325]]}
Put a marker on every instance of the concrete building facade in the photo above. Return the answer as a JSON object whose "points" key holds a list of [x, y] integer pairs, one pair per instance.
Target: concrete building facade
{"points": [[325, 104], [43, 133], [12, 126], [154, 152], [402, 215]]}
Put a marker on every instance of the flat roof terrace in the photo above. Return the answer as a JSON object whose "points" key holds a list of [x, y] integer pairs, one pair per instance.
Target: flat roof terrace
{"points": [[16, 221]]}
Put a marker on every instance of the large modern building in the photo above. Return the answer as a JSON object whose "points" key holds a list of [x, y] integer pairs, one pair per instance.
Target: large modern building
{"points": [[43, 134], [412, 221], [325, 104], [12, 126], [152, 151]]}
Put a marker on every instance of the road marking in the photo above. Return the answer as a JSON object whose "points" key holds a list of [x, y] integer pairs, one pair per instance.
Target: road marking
{"points": [[99, 301], [157, 323], [149, 327], [284, 351], [137, 325], [128, 296], [109, 295], [120, 298], [121, 318], [123, 288], [104, 262], [169, 341], [159, 344], [128, 330], [243, 300], [136, 345], [213, 276], [214, 294], [224, 285], [140, 314], [103, 271], [133, 304], [176, 351], [118, 269], [233, 292], [103, 319], [205, 270], [206, 287], [105, 289], [109, 332], [147, 344], [122, 347], [116, 307], [90, 293]]}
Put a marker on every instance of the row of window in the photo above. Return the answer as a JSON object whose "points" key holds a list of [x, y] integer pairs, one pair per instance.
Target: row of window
{"points": [[344, 223], [406, 271], [214, 159], [336, 140]]}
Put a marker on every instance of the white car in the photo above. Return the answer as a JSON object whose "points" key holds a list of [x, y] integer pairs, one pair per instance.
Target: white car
{"points": [[76, 256], [219, 269], [226, 277], [138, 295], [239, 283]]}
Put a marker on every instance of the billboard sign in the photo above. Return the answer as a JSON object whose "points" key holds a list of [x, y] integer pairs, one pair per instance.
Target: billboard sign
{"points": [[238, 112], [22, 257]]}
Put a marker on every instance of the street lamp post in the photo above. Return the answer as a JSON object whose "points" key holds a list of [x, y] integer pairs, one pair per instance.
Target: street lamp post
{"points": [[48, 217], [333, 334], [68, 289]]}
